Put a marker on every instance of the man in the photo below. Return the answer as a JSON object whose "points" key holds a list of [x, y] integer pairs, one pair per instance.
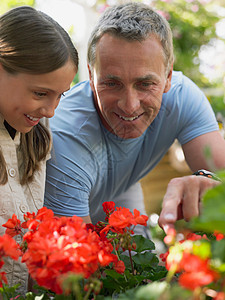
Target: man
{"points": [[111, 131]]}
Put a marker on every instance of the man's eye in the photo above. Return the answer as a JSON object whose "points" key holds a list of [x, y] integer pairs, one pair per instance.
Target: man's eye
{"points": [[145, 84], [110, 83], [40, 94]]}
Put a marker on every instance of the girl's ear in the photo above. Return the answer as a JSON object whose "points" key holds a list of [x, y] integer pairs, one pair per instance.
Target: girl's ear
{"points": [[168, 80]]}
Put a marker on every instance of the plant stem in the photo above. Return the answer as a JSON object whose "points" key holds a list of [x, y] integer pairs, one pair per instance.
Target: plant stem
{"points": [[197, 294], [87, 294], [5, 293], [131, 262], [171, 273]]}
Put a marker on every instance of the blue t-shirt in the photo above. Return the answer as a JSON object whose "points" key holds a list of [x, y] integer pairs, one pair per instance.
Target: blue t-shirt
{"points": [[90, 165]]}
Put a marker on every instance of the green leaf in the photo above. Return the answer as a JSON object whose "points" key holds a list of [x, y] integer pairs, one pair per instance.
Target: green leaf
{"points": [[218, 250], [146, 259], [143, 244], [151, 291], [202, 249], [113, 274], [126, 260], [213, 211]]}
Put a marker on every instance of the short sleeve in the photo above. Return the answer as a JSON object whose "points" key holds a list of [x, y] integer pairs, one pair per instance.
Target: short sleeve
{"points": [[196, 114]]}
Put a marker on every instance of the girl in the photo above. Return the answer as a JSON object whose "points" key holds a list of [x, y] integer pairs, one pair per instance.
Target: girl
{"points": [[37, 65]]}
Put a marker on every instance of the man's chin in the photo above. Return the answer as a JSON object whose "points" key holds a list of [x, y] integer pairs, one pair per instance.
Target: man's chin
{"points": [[128, 135]]}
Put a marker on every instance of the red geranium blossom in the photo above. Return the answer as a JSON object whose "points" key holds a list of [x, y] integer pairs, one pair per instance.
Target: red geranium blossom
{"points": [[197, 272], [122, 218], [140, 219], [3, 279], [120, 267], [9, 247], [195, 237], [64, 245], [13, 226], [220, 296], [108, 207], [219, 236]]}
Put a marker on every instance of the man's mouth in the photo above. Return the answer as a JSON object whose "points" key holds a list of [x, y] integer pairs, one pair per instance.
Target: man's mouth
{"points": [[32, 118], [129, 119]]}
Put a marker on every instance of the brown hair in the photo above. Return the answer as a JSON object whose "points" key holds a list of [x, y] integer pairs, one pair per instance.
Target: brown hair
{"points": [[32, 42]]}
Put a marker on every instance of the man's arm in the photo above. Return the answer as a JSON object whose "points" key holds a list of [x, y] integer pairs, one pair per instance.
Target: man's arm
{"points": [[183, 195], [194, 152]]}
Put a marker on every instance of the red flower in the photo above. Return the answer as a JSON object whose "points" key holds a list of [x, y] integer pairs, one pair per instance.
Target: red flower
{"points": [[44, 214], [219, 236], [140, 219], [197, 272], [97, 227], [3, 279], [163, 256], [192, 280], [32, 222], [119, 267], [13, 226], [9, 247], [62, 245], [220, 296], [27, 217], [121, 218], [170, 237], [108, 207], [195, 237]]}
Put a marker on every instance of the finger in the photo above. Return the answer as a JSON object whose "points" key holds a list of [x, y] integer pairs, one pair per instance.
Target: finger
{"points": [[191, 199], [167, 227], [206, 184], [171, 202]]}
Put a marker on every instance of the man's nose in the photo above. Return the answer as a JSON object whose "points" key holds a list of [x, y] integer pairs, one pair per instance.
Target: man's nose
{"points": [[129, 102]]}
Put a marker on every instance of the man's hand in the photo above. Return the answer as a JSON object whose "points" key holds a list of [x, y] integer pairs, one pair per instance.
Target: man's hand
{"points": [[182, 199]]}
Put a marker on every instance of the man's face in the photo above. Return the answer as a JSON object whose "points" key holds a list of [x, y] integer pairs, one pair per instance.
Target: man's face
{"points": [[128, 81]]}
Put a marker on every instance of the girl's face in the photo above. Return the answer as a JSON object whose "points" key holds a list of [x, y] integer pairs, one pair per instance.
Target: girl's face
{"points": [[26, 98]]}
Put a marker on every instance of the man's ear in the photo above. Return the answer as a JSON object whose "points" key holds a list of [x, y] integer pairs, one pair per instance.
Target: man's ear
{"points": [[91, 79], [168, 80]]}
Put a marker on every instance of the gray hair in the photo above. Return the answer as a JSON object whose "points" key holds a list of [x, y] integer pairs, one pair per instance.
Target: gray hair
{"points": [[132, 21]]}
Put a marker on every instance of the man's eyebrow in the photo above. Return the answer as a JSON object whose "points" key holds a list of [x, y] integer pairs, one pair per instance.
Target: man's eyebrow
{"points": [[141, 78], [109, 76], [147, 77]]}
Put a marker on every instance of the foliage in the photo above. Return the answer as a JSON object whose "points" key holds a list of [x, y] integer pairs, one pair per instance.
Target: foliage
{"points": [[8, 4], [193, 25]]}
